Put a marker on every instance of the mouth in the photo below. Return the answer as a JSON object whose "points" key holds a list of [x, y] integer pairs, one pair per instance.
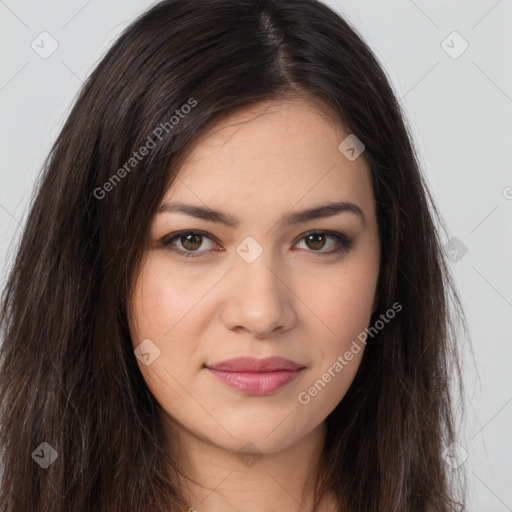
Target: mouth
{"points": [[256, 376]]}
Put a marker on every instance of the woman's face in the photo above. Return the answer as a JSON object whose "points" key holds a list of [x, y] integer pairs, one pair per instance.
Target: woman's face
{"points": [[258, 281]]}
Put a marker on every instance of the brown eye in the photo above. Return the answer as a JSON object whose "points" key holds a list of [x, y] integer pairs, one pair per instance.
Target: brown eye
{"points": [[191, 242], [319, 242], [315, 240]]}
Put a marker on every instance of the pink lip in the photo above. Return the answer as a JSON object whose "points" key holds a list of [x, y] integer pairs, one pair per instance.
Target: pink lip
{"points": [[251, 364], [256, 376]]}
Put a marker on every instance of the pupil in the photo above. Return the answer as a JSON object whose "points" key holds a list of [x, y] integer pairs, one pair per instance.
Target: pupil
{"points": [[316, 243], [192, 236]]}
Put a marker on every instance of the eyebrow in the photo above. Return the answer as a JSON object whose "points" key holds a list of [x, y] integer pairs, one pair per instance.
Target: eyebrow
{"points": [[317, 212]]}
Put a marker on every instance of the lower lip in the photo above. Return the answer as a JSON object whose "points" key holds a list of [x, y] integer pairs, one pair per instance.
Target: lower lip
{"points": [[252, 383]]}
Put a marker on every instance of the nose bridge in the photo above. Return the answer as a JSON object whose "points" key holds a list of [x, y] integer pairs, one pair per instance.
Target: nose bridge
{"points": [[256, 269], [261, 299]]}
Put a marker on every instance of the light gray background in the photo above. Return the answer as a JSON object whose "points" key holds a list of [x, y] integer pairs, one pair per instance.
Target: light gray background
{"points": [[460, 113]]}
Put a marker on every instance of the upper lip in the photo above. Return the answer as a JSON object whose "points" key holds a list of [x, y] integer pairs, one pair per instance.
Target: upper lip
{"points": [[252, 364]]}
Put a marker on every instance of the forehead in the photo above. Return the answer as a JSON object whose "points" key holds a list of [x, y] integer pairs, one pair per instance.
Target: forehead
{"points": [[274, 154], [292, 130]]}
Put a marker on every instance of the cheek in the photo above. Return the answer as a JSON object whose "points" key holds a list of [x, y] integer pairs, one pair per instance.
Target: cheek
{"points": [[157, 307], [163, 298], [344, 305], [345, 300]]}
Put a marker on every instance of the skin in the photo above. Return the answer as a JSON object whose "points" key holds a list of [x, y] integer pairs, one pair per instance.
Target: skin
{"points": [[257, 165]]}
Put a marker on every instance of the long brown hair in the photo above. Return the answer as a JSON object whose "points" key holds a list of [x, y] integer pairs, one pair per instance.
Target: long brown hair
{"points": [[69, 374]]}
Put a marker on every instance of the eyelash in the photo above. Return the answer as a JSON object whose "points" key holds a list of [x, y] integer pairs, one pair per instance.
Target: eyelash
{"points": [[344, 242]]}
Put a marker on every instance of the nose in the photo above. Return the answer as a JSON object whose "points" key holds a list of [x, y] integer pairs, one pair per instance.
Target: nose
{"points": [[259, 298]]}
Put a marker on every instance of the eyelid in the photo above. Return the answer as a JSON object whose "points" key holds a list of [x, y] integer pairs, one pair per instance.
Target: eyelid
{"points": [[344, 242], [167, 240]]}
